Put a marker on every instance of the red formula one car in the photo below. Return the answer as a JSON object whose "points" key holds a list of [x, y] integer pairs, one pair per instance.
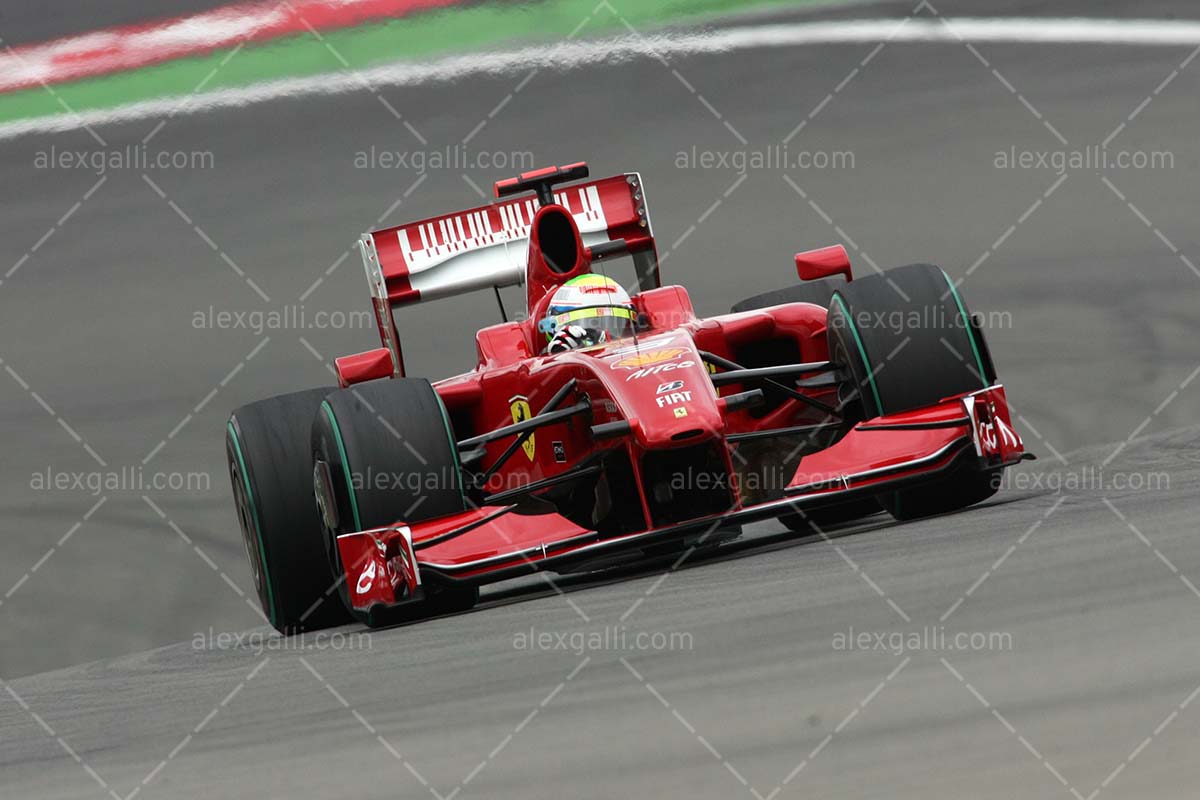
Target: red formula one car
{"points": [[825, 401]]}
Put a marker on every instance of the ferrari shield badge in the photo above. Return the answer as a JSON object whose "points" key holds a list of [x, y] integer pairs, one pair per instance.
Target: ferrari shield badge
{"points": [[519, 406]]}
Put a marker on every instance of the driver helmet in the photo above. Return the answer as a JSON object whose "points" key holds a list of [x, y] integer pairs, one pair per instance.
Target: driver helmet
{"points": [[588, 310]]}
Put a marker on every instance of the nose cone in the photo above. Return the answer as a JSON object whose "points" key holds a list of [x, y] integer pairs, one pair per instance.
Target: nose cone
{"points": [[663, 387], [681, 417]]}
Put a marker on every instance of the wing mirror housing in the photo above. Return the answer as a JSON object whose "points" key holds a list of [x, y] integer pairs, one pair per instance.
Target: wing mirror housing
{"points": [[362, 367], [824, 262]]}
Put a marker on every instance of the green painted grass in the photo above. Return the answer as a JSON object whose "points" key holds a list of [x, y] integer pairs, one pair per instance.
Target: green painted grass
{"points": [[428, 35]]}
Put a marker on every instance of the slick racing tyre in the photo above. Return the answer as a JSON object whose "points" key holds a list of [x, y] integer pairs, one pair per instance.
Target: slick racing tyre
{"points": [[816, 292], [270, 468], [907, 340], [391, 456]]}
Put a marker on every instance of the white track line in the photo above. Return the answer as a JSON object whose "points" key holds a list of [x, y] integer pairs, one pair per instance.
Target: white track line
{"points": [[569, 55]]}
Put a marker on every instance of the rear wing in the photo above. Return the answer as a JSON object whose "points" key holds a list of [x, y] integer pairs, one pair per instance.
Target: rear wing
{"points": [[487, 246]]}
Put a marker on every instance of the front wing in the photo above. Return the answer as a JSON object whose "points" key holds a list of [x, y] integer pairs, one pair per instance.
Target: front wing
{"points": [[392, 565]]}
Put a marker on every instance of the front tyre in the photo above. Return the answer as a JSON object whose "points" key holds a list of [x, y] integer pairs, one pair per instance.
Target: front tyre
{"points": [[818, 519], [908, 341], [270, 470], [391, 457]]}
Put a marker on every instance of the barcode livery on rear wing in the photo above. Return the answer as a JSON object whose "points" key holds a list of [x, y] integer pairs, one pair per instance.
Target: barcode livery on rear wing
{"points": [[427, 244], [487, 246]]}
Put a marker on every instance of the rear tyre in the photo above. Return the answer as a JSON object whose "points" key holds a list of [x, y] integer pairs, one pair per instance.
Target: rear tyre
{"points": [[391, 456], [816, 292], [270, 469], [907, 341]]}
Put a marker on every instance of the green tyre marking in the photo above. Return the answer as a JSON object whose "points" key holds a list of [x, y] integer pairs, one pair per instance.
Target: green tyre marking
{"points": [[962, 311], [262, 552], [453, 447], [837, 298]]}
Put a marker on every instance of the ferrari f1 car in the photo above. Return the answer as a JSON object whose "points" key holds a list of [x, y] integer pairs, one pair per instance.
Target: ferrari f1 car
{"points": [[828, 400]]}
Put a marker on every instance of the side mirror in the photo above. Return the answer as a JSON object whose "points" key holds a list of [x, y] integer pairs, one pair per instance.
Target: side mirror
{"points": [[362, 367], [823, 263]]}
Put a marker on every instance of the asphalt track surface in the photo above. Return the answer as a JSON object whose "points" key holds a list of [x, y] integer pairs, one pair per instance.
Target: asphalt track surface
{"points": [[1093, 585]]}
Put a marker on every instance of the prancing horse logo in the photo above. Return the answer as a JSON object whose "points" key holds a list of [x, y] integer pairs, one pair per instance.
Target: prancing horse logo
{"points": [[519, 406]]}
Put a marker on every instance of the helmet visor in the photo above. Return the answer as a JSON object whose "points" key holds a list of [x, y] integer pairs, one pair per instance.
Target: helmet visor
{"points": [[601, 323]]}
